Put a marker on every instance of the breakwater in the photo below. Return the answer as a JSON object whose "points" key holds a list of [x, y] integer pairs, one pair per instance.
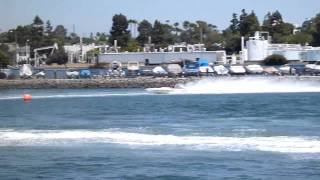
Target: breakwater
{"points": [[139, 82]]}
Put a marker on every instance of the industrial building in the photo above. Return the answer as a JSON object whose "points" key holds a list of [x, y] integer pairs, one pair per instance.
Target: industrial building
{"points": [[175, 53], [259, 47]]}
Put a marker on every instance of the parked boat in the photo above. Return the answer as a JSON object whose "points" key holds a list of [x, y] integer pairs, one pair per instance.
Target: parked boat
{"points": [[221, 70], [25, 71], [254, 69], [286, 69], [159, 71], [313, 69], [271, 70], [174, 69], [237, 70], [71, 73]]}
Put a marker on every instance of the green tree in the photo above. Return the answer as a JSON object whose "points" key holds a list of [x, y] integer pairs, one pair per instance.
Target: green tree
{"points": [[234, 27], [316, 31], [300, 38], [232, 41], [59, 34], [280, 31], [132, 46], [119, 30], [145, 31], [248, 23], [37, 32], [4, 60], [48, 29]]}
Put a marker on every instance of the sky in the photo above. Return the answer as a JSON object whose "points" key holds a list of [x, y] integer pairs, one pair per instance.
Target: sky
{"points": [[96, 15]]}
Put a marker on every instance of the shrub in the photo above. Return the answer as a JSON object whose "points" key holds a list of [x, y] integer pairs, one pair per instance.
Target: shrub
{"points": [[275, 59]]}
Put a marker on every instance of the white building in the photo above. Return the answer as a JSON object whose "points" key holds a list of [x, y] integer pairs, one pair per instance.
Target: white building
{"points": [[259, 47], [162, 57], [78, 52]]}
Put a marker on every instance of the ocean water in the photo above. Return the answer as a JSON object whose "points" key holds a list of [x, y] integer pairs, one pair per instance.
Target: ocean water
{"points": [[213, 129]]}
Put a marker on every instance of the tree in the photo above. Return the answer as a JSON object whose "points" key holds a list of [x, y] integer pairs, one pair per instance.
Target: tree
{"points": [[248, 23], [132, 46], [234, 27], [59, 34], [145, 30], [242, 22], [232, 41], [37, 32], [280, 31], [316, 32], [4, 60], [48, 29], [274, 60], [119, 30]]}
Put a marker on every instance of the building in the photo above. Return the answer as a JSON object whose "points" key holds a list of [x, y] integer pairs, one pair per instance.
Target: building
{"points": [[259, 47], [174, 53], [77, 53]]}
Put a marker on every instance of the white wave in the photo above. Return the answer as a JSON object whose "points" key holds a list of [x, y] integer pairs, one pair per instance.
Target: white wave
{"points": [[247, 85], [56, 96], [282, 144]]}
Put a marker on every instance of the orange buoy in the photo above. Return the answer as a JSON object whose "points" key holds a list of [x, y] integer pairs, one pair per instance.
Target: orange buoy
{"points": [[27, 97]]}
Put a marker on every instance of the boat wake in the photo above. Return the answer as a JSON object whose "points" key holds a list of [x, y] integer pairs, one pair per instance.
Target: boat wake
{"points": [[247, 85], [280, 144], [57, 96]]}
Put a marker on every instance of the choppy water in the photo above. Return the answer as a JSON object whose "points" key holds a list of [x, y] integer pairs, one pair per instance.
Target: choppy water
{"points": [[247, 133]]}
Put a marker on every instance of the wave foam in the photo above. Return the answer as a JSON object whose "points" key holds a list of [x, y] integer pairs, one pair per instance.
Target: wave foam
{"points": [[247, 85], [56, 96], [282, 144]]}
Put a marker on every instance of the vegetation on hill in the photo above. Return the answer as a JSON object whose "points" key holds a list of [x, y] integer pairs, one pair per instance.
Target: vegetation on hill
{"points": [[42, 33]]}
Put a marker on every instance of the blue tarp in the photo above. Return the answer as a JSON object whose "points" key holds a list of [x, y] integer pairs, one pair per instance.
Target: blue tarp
{"points": [[203, 62], [85, 73]]}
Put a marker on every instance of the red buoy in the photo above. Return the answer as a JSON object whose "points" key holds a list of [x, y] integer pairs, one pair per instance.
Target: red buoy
{"points": [[27, 97]]}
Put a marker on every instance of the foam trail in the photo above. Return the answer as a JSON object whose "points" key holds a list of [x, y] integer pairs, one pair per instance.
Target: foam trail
{"points": [[280, 144], [247, 85], [56, 96]]}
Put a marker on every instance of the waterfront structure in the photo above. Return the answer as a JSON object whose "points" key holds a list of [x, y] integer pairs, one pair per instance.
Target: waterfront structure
{"points": [[258, 47], [173, 53]]}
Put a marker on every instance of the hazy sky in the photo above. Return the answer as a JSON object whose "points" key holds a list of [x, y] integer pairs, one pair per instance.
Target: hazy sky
{"points": [[95, 15]]}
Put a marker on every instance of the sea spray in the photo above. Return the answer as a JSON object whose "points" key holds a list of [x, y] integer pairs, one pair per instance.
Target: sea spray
{"points": [[280, 144], [247, 85]]}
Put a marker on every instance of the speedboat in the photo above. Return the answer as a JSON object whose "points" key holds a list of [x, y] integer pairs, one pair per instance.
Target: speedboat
{"points": [[161, 90]]}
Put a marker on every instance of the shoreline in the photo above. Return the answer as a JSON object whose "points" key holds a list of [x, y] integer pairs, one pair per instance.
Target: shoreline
{"points": [[138, 82]]}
